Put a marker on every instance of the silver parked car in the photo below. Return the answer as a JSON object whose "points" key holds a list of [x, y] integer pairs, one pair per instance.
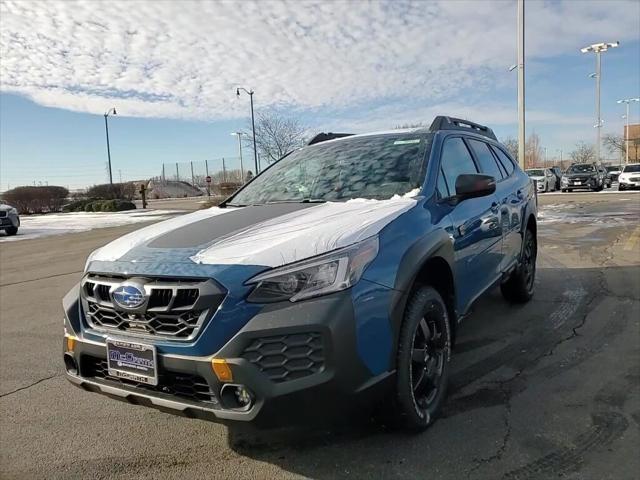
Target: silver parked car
{"points": [[9, 219], [544, 177]]}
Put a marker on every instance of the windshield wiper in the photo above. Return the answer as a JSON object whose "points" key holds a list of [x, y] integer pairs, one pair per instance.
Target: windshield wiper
{"points": [[301, 200]]}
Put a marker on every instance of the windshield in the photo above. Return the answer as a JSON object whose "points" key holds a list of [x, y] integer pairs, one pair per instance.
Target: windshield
{"points": [[581, 168], [631, 168], [613, 168], [376, 166], [535, 173]]}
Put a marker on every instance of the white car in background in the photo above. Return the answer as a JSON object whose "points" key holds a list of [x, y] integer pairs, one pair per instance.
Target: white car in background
{"points": [[544, 177], [629, 178]]}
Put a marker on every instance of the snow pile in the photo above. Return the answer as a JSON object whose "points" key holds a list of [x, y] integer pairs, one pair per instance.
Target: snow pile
{"points": [[37, 226], [306, 233]]}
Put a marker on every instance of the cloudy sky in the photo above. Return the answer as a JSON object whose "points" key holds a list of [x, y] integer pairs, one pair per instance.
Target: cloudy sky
{"points": [[171, 68]]}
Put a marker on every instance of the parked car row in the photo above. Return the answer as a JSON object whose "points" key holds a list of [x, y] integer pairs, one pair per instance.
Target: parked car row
{"points": [[585, 176]]}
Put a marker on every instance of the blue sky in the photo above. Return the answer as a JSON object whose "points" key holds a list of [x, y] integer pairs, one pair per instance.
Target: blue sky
{"points": [[170, 69]]}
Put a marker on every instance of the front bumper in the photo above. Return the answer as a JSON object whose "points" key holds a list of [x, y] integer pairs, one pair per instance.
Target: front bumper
{"points": [[8, 221], [628, 184], [299, 361], [591, 183]]}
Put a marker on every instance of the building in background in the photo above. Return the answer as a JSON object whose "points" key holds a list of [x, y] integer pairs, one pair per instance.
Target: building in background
{"points": [[632, 137]]}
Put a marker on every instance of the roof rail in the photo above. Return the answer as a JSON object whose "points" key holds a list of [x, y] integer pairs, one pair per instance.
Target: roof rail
{"points": [[323, 137], [442, 122]]}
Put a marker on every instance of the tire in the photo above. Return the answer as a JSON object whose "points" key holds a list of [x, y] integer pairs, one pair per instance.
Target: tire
{"points": [[423, 360], [571, 190], [564, 190], [520, 285], [11, 230], [621, 188]]}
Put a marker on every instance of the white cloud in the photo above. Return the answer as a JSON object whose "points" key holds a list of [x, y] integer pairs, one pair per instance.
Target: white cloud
{"points": [[183, 59]]}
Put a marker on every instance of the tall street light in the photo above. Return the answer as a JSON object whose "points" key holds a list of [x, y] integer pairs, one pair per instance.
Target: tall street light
{"points": [[521, 119], [106, 127], [627, 101], [598, 48], [253, 123], [239, 134]]}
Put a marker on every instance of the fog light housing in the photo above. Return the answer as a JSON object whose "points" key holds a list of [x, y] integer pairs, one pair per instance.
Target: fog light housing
{"points": [[236, 397], [70, 364]]}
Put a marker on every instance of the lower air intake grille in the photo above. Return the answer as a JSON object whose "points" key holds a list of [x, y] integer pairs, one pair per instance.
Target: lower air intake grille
{"points": [[287, 357], [183, 385]]}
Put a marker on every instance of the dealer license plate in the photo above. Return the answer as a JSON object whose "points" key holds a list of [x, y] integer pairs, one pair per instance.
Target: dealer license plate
{"points": [[132, 361]]}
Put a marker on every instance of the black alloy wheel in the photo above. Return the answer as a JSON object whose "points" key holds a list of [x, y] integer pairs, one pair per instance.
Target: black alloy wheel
{"points": [[424, 352]]}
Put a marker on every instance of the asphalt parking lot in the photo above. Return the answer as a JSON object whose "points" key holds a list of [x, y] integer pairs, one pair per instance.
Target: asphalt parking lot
{"points": [[550, 389]]}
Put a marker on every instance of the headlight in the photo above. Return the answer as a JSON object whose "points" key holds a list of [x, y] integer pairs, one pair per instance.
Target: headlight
{"points": [[332, 272], [89, 258], [564, 180], [13, 211]]}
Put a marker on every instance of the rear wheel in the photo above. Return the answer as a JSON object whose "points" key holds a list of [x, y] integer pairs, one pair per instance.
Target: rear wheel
{"points": [[424, 351], [519, 286]]}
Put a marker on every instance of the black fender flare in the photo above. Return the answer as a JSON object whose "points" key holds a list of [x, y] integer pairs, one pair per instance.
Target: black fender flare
{"points": [[437, 244]]}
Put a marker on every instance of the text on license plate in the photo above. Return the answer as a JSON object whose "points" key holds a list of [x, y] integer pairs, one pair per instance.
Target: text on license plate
{"points": [[132, 361]]}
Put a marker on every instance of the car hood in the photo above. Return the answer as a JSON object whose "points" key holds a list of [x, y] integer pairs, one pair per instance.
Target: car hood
{"points": [[536, 177], [263, 235], [4, 207]]}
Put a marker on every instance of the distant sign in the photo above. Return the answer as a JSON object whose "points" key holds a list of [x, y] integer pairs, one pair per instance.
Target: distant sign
{"points": [[208, 179]]}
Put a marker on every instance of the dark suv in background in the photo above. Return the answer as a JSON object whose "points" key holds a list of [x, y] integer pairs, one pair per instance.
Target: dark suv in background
{"points": [[335, 279], [583, 176]]}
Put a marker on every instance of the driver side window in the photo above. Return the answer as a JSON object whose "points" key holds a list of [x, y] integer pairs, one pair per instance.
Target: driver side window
{"points": [[456, 160]]}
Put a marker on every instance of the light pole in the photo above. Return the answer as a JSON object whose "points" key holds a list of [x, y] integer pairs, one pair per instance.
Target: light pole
{"points": [[253, 124], [627, 101], [239, 134], [521, 119], [598, 48], [106, 127], [560, 150]]}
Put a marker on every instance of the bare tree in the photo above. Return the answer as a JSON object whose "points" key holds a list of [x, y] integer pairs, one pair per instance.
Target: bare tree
{"points": [[511, 144], [583, 153], [276, 136], [615, 144], [532, 151]]}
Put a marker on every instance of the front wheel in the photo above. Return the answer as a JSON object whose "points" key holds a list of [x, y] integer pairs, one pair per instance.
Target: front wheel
{"points": [[519, 286], [11, 230], [424, 351]]}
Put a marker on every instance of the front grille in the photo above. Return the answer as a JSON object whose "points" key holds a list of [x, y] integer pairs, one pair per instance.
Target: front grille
{"points": [[634, 179], [183, 385], [287, 357], [173, 308]]}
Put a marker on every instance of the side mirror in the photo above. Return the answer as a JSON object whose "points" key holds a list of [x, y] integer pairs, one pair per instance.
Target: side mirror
{"points": [[474, 186]]}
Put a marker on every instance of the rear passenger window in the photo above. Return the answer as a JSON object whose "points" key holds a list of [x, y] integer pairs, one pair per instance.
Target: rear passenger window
{"points": [[456, 160], [504, 160], [488, 163]]}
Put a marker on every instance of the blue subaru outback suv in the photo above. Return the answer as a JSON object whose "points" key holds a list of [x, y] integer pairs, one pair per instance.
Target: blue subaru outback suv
{"points": [[335, 279]]}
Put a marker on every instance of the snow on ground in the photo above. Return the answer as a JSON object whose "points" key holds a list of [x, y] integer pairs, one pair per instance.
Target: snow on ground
{"points": [[36, 226], [578, 214]]}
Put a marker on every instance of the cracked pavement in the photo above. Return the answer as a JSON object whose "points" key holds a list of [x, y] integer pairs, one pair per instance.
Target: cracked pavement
{"points": [[544, 390]]}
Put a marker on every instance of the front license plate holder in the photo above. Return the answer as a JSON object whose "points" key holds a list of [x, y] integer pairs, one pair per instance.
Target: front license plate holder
{"points": [[132, 361]]}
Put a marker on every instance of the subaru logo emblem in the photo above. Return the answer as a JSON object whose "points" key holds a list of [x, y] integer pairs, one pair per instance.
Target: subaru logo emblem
{"points": [[128, 296]]}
